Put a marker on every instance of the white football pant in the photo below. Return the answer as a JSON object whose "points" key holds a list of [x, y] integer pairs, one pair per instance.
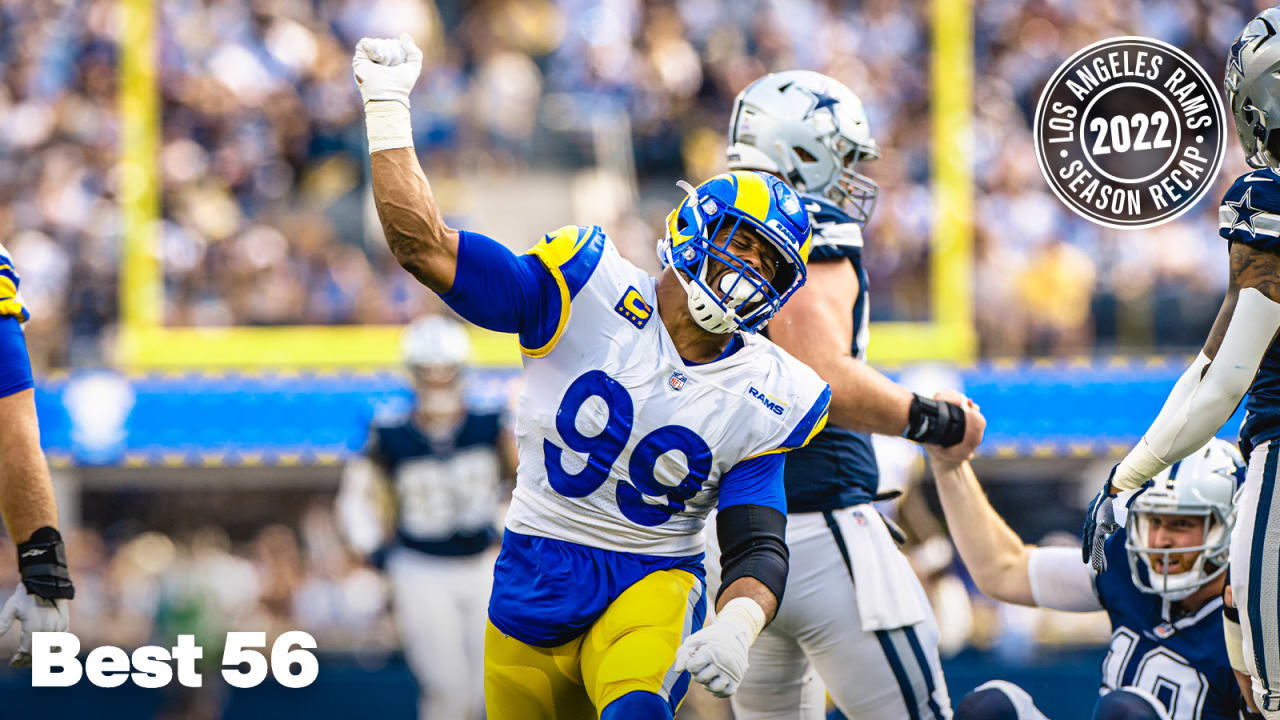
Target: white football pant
{"points": [[441, 604], [1255, 575], [817, 637]]}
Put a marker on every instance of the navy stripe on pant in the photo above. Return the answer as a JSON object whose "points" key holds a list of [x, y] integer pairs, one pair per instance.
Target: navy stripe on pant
{"points": [[1258, 560], [901, 671]]}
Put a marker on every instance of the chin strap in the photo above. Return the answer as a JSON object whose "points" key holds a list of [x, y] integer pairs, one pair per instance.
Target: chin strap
{"points": [[701, 307]]}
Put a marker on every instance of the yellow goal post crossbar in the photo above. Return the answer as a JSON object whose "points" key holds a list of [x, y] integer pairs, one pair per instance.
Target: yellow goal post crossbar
{"points": [[146, 343]]}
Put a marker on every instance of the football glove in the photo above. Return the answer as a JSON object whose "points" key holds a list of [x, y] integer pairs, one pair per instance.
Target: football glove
{"points": [[36, 614], [386, 69], [1100, 522], [716, 655], [40, 602]]}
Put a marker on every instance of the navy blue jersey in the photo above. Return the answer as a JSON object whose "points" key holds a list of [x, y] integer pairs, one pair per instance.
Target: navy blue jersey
{"points": [[838, 467], [446, 488], [1250, 214], [1181, 660]]}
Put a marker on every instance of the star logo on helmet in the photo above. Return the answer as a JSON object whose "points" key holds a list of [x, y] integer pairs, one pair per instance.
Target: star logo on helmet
{"points": [[1233, 55], [821, 101], [1250, 33], [1242, 213]]}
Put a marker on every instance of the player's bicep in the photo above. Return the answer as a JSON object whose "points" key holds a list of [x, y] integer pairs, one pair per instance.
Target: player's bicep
{"points": [[1060, 581], [499, 290], [1252, 267]]}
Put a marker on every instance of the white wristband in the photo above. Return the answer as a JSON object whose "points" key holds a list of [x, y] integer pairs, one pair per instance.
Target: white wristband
{"points": [[1234, 636], [1136, 467], [388, 125], [745, 615]]}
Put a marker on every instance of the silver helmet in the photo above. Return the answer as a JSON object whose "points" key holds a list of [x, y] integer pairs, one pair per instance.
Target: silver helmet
{"points": [[435, 350], [1203, 484], [435, 341], [812, 131], [1253, 86]]}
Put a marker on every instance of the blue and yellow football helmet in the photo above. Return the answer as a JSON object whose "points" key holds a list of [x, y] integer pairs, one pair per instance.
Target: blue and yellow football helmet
{"points": [[696, 236]]}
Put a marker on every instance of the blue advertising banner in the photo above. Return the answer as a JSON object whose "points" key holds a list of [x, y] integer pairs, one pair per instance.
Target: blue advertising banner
{"points": [[101, 417]]}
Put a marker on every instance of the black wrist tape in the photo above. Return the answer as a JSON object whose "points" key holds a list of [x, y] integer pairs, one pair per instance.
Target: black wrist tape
{"points": [[42, 562], [935, 423]]}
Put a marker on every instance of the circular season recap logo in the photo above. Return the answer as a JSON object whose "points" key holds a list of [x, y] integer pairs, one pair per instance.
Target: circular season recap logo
{"points": [[1129, 132]]}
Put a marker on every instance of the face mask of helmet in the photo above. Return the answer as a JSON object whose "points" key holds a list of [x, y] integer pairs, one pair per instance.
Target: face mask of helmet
{"points": [[1208, 563], [854, 192], [437, 393], [741, 292]]}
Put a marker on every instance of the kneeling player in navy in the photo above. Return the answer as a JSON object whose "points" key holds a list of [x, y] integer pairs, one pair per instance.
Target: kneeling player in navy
{"points": [[1241, 355], [1162, 589], [440, 466]]}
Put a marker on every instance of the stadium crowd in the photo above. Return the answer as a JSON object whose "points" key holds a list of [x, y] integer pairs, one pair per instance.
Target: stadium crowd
{"points": [[137, 585], [265, 215]]}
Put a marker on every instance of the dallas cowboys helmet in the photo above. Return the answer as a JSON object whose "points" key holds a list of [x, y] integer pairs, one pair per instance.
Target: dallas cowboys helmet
{"points": [[1253, 86], [435, 342], [812, 131], [743, 298], [1203, 484]]}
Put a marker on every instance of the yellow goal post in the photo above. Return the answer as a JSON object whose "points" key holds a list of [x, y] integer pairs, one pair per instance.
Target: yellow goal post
{"points": [[146, 343]]}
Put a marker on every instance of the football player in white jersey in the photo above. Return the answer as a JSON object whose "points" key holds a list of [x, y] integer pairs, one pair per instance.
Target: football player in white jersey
{"points": [[1241, 355], [857, 614], [440, 467], [39, 604], [646, 403]]}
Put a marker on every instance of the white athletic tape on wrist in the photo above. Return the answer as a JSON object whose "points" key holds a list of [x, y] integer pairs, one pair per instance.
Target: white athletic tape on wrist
{"points": [[1136, 467], [745, 614], [388, 125], [1234, 637]]}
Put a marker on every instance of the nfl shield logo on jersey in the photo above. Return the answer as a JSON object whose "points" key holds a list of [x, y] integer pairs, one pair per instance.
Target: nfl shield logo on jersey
{"points": [[677, 380]]}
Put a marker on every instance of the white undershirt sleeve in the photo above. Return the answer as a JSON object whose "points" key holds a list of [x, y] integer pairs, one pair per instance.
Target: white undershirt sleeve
{"points": [[359, 519], [1183, 427], [1060, 581]]}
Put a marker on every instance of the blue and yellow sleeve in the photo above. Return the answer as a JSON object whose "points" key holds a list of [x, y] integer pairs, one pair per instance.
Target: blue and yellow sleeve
{"points": [[527, 294], [571, 255], [15, 365], [10, 302], [811, 424], [499, 290], [755, 481], [1250, 211]]}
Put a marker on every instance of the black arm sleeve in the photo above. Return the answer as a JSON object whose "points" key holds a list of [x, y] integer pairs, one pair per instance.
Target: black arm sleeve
{"points": [[752, 545]]}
